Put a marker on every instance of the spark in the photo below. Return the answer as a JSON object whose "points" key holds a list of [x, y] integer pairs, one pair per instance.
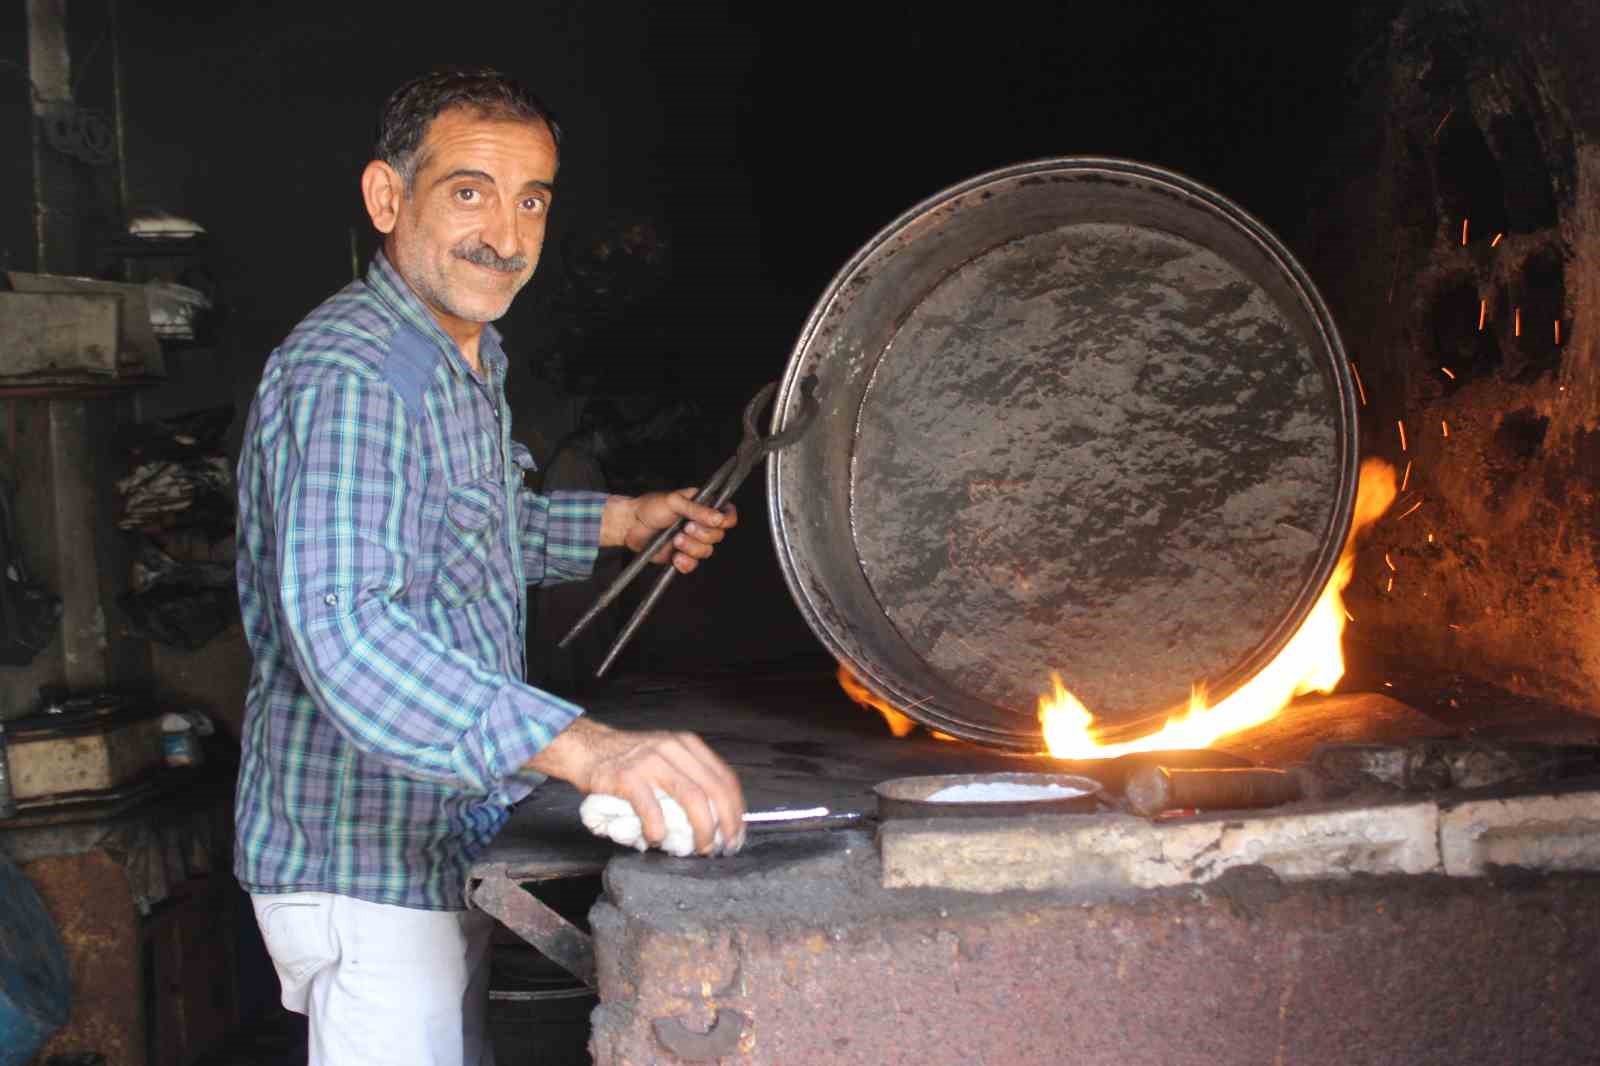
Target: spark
{"points": [[1442, 121], [1406, 480], [1430, 538], [1361, 389], [1390, 587], [1410, 509], [1496, 242], [1558, 333], [1387, 561], [1483, 312], [1448, 372], [1444, 426], [1463, 233], [1516, 329], [1348, 615], [1402, 426]]}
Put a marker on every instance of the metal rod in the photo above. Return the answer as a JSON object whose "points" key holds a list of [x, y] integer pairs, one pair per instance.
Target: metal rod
{"points": [[641, 560], [557, 939], [730, 485], [117, 110], [8, 802], [785, 816]]}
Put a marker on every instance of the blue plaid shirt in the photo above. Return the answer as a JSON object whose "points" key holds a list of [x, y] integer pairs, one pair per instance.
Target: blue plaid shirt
{"points": [[385, 545]]}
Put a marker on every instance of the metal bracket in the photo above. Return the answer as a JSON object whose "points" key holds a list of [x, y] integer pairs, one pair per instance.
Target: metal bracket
{"points": [[721, 1040], [504, 899]]}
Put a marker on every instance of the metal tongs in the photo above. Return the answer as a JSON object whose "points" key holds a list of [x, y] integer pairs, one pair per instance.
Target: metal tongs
{"points": [[717, 491]]}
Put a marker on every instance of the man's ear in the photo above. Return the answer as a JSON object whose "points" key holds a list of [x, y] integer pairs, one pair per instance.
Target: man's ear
{"points": [[383, 190]]}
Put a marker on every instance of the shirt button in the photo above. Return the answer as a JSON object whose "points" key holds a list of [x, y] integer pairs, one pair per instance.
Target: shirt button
{"points": [[331, 600]]}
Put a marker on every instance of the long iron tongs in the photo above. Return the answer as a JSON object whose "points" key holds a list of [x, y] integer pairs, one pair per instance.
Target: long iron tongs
{"points": [[753, 447]]}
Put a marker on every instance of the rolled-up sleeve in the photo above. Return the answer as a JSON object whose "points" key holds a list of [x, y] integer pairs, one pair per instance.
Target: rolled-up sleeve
{"points": [[346, 535], [560, 535]]}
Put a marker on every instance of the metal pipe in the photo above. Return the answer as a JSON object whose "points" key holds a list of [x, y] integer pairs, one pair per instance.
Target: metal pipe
{"points": [[118, 111], [8, 803]]}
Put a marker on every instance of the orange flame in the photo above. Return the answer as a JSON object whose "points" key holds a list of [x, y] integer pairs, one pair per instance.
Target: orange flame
{"points": [[899, 724], [1312, 661]]}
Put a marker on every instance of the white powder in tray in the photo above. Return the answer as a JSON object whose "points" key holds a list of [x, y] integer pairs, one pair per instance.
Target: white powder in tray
{"points": [[1002, 792]]}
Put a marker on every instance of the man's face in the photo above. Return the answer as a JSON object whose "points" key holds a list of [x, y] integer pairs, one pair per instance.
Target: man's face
{"points": [[468, 232]]}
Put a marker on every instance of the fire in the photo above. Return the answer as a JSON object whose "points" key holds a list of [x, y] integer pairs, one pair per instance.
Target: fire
{"points": [[1312, 661], [899, 723]]}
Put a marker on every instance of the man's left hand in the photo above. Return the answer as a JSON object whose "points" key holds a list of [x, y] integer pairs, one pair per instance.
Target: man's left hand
{"points": [[634, 521]]}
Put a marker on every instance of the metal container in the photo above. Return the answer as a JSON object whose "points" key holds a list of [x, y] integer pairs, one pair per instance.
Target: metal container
{"points": [[1082, 416]]}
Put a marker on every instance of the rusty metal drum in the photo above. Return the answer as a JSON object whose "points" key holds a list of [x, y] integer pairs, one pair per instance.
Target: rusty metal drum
{"points": [[1083, 416]]}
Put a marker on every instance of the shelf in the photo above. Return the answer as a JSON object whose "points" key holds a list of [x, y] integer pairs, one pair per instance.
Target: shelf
{"points": [[76, 389], [158, 247]]}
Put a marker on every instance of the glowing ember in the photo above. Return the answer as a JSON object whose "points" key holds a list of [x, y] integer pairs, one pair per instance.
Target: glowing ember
{"points": [[1463, 231], [1447, 373], [1496, 242], [1483, 312], [1402, 426], [1313, 661], [899, 724]]}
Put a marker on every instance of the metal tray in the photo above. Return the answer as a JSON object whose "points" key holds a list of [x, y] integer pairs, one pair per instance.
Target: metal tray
{"points": [[908, 797]]}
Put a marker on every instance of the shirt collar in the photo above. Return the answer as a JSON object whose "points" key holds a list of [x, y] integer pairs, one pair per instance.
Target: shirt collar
{"points": [[383, 279]]}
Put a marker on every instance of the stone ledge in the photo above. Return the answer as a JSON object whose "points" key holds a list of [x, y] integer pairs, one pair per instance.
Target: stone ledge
{"points": [[1550, 832], [1117, 853]]}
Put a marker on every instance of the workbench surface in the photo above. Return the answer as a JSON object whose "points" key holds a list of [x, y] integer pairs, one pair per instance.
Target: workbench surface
{"points": [[796, 740]]}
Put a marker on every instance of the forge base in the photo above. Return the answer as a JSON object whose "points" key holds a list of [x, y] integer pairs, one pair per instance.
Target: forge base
{"points": [[810, 960]]}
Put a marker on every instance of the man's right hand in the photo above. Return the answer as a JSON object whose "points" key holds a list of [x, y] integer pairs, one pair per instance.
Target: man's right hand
{"points": [[633, 764]]}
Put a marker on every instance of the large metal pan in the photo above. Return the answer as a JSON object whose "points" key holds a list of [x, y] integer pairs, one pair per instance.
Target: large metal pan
{"points": [[1078, 415]]}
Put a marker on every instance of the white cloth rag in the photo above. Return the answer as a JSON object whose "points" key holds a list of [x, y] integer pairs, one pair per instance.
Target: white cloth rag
{"points": [[615, 818]]}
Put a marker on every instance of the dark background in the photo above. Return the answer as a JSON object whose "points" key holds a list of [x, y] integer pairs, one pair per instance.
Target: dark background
{"points": [[756, 147]]}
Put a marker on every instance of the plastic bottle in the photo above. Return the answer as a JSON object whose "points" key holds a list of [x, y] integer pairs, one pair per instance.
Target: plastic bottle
{"points": [[178, 743]]}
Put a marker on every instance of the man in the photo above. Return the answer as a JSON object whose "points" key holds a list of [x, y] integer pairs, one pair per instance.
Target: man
{"points": [[385, 544]]}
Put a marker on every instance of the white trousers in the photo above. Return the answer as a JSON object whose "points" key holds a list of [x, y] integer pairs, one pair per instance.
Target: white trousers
{"points": [[381, 985]]}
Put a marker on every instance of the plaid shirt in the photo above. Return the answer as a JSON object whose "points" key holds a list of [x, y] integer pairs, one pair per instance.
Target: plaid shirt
{"points": [[385, 545]]}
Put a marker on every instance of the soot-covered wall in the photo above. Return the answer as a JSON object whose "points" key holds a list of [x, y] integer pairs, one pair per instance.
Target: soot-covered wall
{"points": [[1460, 251]]}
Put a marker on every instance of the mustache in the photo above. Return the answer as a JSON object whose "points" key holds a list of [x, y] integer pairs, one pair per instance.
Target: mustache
{"points": [[482, 255]]}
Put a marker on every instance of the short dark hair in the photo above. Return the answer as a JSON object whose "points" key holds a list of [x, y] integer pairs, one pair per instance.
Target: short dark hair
{"points": [[411, 108]]}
